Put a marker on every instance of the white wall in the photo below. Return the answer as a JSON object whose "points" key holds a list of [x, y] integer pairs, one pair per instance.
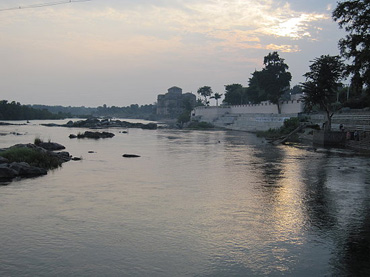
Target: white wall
{"points": [[249, 117], [208, 113], [287, 107]]}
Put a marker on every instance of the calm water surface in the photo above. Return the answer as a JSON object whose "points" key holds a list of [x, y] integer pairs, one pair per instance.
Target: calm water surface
{"points": [[215, 203]]}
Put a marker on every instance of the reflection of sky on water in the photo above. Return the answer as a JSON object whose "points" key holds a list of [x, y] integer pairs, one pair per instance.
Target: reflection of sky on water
{"points": [[196, 203]]}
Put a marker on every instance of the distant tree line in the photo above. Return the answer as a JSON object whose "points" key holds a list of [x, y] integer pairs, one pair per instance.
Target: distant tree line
{"points": [[132, 111], [16, 111], [73, 111]]}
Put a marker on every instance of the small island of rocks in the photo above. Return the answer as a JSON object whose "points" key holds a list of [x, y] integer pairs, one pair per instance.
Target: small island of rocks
{"points": [[30, 160], [95, 123]]}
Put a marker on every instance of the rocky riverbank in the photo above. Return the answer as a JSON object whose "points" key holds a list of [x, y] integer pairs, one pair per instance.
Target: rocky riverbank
{"points": [[30, 160]]}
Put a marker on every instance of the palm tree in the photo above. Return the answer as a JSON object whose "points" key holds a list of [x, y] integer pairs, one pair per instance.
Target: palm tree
{"points": [[216, 97]]}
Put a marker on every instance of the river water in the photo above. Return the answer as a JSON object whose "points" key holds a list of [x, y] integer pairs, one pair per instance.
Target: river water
{"points": [[196, 203]]}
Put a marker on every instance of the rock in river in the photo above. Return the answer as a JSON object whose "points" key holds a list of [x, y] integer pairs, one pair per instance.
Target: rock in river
{"points": [[130, 156]]}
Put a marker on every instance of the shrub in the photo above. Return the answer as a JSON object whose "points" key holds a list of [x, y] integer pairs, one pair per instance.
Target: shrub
{"points": [[37, 141], [290, 125]]}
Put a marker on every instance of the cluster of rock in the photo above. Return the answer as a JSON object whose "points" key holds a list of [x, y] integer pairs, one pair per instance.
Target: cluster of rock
{"points": [[95, 123], [11, 170], [92, 135]]}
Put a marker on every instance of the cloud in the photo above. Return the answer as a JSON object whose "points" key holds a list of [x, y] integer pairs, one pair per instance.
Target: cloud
{"points": [[217, 23], [189, 42]]}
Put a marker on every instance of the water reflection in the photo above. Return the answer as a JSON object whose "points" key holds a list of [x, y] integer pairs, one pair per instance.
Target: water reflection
{"points": [[214, 203]]}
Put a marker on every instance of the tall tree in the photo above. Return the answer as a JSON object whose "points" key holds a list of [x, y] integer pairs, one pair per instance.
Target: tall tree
{"points": [[354, 17], [255, 94], [274, 78], [205, 92], [216, 97], [322, 83], [234, 94]]}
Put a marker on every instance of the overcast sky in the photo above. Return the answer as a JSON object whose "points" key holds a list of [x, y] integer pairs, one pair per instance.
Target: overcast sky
{"points": [[120, 52]]}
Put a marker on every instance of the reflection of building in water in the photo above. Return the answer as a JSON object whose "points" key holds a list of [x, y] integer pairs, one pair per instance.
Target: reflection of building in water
{"points": [[173, 102]]}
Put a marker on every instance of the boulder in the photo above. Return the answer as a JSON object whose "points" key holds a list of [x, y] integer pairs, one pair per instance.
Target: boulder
{"points": [[3, 160], [25, 170], [95, 135], [63, 156], [76, 159], [6, 173], [130, 156], [51, 146]]}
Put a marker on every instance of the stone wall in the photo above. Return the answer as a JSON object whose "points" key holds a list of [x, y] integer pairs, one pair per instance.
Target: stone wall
{"points": [[266, 107], [252, 122], [252, 118]]}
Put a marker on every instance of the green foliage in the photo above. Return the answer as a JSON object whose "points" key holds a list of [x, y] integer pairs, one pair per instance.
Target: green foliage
{"points": [[31, 156], [289, 126], [37, 141], [354, 17], [358, 102], [184, 117], [322, 84], [268, 84], [216, 97], [205, 92], [255, 94], [132, 111], [274, 78], [16, 111], [234, 94]]}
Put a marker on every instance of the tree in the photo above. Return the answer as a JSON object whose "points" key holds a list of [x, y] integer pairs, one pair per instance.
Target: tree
{"points": [[216, 97], [205, 91], [254, 93], [274, 78], [234, 94], [322, 83], [354, 17]]}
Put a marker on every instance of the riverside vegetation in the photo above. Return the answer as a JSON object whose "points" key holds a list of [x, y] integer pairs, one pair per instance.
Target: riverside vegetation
{"points": [[30, 160], [289, 126]]}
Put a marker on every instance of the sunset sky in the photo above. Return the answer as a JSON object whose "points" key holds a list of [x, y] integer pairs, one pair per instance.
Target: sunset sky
{"points": [[120, 52]]}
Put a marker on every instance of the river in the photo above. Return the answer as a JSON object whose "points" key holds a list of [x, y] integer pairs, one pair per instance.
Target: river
{"points": [[196, 203]]}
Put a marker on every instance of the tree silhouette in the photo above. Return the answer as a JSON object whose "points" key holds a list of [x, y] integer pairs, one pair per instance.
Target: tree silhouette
{"points": [[205, 92], [216, 97], [354, 17], [274, 78], [322, 83]]}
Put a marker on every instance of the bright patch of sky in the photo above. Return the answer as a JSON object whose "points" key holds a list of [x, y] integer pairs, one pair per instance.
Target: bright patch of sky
{"points": [[123, 52]]}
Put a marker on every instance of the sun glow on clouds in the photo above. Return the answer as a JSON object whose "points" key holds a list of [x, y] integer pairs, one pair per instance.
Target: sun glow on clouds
{"points": [[217, 23], [209, 24]]}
